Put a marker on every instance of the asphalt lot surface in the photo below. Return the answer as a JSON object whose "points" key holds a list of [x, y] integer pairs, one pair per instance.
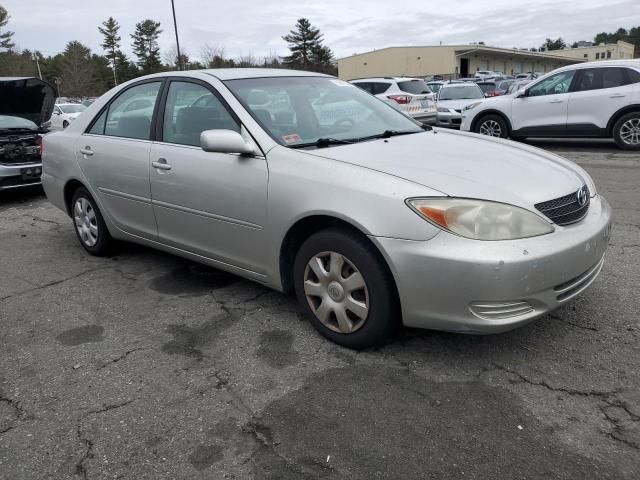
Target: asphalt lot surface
{"points": [[144, 365]]}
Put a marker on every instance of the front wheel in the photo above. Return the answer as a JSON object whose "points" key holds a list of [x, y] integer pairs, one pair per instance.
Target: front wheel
{"points": [[346, 290], [89, 224], [626, 131], [492, 126]]}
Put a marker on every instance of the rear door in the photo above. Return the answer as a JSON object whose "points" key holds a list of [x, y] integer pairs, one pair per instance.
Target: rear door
{"points": [[211, 204], [543, 111], [598, 94], [114, 157]]}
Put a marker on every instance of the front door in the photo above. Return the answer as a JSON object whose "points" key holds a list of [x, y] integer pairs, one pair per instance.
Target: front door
{"points": [[211, 204], [543, 111], [114, 157]]}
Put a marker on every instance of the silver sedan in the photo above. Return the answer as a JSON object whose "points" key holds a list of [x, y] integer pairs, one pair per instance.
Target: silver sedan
{"points": [[305, 183]]}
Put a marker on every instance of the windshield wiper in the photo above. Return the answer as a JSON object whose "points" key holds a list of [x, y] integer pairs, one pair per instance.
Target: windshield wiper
{"points": [[323, 142], [388, 134]]}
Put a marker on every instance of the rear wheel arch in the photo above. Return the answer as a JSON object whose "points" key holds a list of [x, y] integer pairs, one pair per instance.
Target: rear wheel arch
{"points": [[485, 113], [69, 189], [616, 116]]}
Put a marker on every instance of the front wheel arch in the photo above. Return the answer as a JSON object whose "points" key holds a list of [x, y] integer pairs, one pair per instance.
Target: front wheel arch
{"points": [[486, 113]]}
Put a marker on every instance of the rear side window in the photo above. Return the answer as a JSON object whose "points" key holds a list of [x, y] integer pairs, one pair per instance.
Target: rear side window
{"points": [[599, 78], [379, 87], [414, 86], [634, 76], [366, 86], [129, 115], [190, 110]]}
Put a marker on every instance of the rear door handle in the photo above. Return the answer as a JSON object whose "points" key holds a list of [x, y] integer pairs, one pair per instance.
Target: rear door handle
{"points": [[556, 101], [86, 151], [161, 164], [617, 95]]}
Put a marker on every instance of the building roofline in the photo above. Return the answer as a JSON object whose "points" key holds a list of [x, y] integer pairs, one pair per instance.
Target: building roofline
{"points": [[472, 48]]}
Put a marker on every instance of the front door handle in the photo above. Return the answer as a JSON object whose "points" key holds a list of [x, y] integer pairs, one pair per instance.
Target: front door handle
{"points": [[161, 164], [86, 151], [556, 101], [617, 95]]}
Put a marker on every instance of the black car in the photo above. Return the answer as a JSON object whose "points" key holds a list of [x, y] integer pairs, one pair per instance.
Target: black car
{"points": [[25, 108]]}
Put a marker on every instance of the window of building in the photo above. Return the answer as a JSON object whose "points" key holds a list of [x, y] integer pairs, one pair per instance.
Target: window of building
{"points": [[598, 56], [192, 109], [609, 54], [586, 55]]}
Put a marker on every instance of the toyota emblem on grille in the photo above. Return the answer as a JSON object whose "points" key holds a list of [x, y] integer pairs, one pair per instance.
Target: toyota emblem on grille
{"points": [[582, 196]]}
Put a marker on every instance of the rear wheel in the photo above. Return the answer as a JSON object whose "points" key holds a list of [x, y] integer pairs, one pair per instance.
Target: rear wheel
{"points": [[492, 126], [346, 290], [89, 224], [626, 131]]}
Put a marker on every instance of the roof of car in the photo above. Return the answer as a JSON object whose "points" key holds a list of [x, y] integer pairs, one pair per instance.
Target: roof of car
{"points": [[635, 63], [238, 73], [460, 84]]}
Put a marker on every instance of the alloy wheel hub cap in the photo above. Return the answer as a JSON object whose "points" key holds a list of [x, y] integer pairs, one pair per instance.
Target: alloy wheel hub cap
{"points": [[336, 292]]}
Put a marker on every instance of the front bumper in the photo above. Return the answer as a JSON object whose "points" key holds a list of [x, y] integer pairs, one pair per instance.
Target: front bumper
{"points": [[19, 175], [447, 282], [449, 119]]}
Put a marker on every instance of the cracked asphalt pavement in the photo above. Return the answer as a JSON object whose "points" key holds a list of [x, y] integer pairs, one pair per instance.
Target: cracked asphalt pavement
{"points": [[147, 366]]}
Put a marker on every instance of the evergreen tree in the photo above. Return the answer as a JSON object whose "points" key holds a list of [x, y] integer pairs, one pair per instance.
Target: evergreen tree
{"points": [[322, 60], [303, 41], [145, 46], [111, 43], [557, 44], [5, 37]]}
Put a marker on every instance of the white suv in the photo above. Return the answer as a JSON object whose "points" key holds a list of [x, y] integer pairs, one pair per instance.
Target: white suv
{"points": [[598, 99], [412, 96]]}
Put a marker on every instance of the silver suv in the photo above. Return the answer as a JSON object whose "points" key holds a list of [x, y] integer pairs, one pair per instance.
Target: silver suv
{"points": [[412, 96]]}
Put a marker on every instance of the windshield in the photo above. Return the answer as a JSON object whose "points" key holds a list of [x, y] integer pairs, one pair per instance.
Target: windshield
{"points": [[414, 86], [72, 108], [11, 122], [460, 92], [302, 110]]}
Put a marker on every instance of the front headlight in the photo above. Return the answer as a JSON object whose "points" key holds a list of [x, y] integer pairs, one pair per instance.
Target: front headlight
{"points": [[480, 219], [443, 110], [471, 105]]}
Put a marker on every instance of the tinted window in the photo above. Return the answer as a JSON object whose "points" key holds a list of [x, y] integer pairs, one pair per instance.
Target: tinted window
{"points": [[598, 78], [190, 110], [123, 121], [634, 75], [555, 84], [414, 86], [487, 87], [366, 86], [379, 87]]}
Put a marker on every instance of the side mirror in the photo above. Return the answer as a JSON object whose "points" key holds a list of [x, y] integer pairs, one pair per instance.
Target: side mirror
{"points": [[225, 141], [521, 93]]}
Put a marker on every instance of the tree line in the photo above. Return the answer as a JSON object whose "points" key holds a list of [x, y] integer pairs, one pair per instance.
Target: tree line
{"points": [[631, 36], [79, 72]]}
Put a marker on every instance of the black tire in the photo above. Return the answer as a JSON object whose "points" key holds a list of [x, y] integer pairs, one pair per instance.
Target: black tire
{"points": [[65, 124], [492, 123], [103, 240], [383, 316], [629, 120]]}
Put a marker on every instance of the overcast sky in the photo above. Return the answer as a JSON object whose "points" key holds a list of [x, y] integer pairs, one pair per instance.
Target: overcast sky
{"points": [[349, 26]]}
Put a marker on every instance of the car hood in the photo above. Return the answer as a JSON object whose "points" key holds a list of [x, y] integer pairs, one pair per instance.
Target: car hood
{"points": [[466, 165], [458, 104], [28, 98]]}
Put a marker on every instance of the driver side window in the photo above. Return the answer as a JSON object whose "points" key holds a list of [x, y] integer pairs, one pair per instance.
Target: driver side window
{"points": [[553, 85]]}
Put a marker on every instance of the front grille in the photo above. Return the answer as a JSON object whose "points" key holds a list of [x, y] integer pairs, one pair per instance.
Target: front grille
{"points": [[566, 210]]}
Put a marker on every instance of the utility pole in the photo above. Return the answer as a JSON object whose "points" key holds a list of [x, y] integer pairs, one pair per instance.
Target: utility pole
{"points": [[35, 58], [175, 28]]}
